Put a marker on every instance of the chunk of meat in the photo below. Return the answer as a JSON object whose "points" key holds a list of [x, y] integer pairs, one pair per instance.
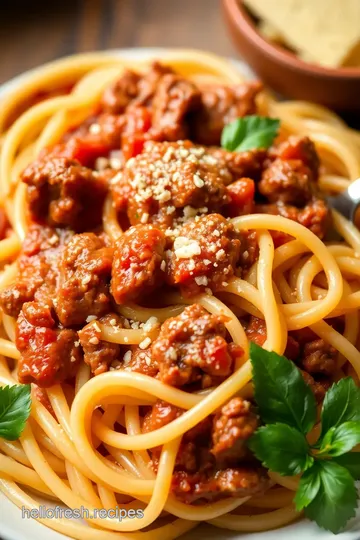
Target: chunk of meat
{"points": [[241, 164], [161, 414], [120, 93], [48, 355], [85, 269], [319, 357], [175, 98], [149, 83], [286, 181], [167, 177], [192, 347], [301, 149], [319, 388], [233, 425], [204, 255], [98, 353], [209, 487], [37, 273], [137, 263], [249, 250], [315, 215], [222, 105], [63, 193], [141, 361], [201, 474]]}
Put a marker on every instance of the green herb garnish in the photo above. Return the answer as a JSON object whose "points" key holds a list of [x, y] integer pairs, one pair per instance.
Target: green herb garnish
{"points": [[326, 490], [15, 405], [249, 132]]}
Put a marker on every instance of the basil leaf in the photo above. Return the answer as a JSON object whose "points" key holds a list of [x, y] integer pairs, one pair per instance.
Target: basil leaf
{"points": [[308, 488], [335, 502], [341, 404], [280, 390], [249, 132], [281, 448], [15, 404], [341, 439], [351, 462]]}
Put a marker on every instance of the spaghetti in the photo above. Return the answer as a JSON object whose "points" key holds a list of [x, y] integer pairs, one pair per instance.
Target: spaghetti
{"points": [[266, 274]]}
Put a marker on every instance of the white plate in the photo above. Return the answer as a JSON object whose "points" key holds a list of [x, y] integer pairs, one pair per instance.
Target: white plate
{"points": [[14, 527]]}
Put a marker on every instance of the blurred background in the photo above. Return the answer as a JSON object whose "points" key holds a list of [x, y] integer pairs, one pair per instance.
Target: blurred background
{"points": [[34, 32]]}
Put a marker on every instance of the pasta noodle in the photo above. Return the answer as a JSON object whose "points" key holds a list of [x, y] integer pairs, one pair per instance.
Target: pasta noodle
{"points": [[88, 448]]}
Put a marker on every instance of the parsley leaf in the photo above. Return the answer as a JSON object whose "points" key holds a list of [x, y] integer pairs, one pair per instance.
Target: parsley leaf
{"points": [[341, 439], [341, 404], [281, 448], [280, 390], [335, 501], [15, 404], [249, 132], [308, 488], [351, 462]]}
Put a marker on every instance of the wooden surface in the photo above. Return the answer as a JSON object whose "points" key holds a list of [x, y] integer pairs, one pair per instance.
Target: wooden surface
{"points": [[35, 31]]}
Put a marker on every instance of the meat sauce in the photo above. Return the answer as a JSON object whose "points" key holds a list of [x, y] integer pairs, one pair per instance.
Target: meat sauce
{"points": [[174, 190]]}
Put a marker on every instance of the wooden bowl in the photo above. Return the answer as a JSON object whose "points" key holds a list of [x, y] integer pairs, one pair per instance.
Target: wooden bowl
{"points": [[285, 73]]}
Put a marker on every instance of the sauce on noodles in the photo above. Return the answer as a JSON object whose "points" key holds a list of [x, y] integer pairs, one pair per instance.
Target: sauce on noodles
{"points": [[139, 259]]}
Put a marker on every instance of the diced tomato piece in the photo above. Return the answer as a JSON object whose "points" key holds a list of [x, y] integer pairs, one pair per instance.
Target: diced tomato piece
{"points": [[242, 197], [132, 144], [138, 123]]}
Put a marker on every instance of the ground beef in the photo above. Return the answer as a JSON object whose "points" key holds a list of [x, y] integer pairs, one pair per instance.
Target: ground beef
{"points": [[241, 164], [221, 105], [211, 462], [63, 193], [141, 361], [319, 357], [233, 425], [218, 484], [315, 215], [167, 177], [120, 94], [314, 356], [249, 251], [286, 181], [300, 149], [318, 387], [48, 355], [204, 255], [161, 414], [37, 273], [98, 353], [175, 98], [192, 348], [85, 268], [137, 268], [149, 83]]}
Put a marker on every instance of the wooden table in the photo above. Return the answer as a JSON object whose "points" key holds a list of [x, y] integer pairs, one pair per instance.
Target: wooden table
{"points": [[36, 31]]}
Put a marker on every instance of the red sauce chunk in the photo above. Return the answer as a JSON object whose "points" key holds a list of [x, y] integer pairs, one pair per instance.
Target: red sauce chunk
{"points": [[192, 348], [204, 255], [148, 158], [84, 280], [138, 263], [48, 355]]}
